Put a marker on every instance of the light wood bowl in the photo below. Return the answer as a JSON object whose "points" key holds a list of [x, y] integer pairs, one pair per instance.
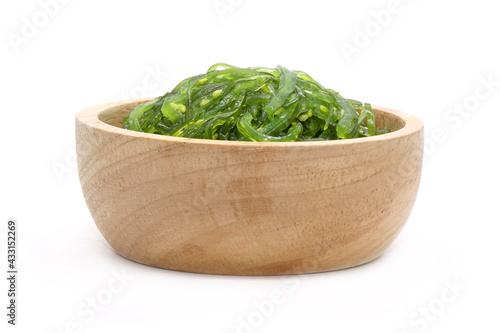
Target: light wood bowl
{"points": [[244, 208]]}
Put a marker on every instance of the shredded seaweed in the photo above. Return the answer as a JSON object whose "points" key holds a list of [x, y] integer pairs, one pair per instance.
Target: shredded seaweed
{"points": [[254, 104]]}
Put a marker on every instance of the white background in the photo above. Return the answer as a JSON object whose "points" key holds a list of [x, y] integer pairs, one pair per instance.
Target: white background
{"points": [[428, 58]]}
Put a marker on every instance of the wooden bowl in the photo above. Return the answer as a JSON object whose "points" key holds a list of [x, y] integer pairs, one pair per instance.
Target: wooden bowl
{"points": [[245, 208]]}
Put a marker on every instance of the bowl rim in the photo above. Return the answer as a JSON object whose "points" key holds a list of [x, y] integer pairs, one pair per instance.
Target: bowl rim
{"points": [[90, 117]]}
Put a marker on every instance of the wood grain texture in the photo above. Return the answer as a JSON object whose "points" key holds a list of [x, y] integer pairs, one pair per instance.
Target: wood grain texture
{"points": [[244, 208]]}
